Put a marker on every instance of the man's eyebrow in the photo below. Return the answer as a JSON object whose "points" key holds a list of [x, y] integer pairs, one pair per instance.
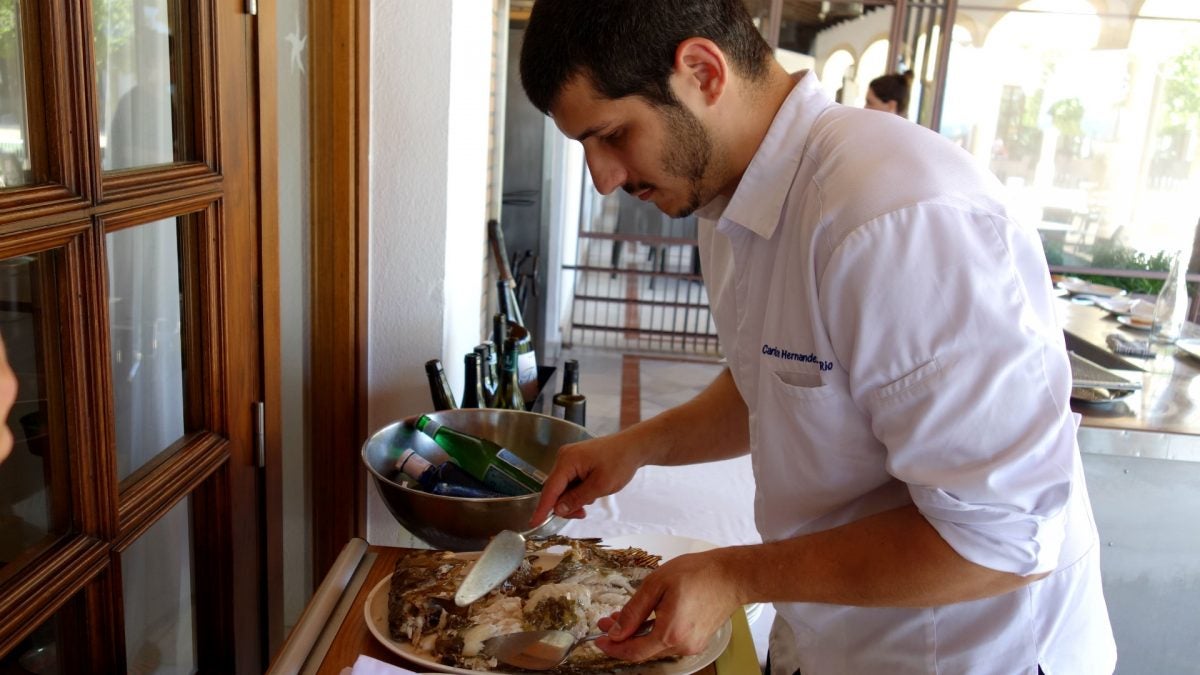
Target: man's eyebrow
{"points": [[591, 131]]}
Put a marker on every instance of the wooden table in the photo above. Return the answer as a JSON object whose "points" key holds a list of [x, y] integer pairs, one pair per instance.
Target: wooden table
{"points": [[332, 632]]}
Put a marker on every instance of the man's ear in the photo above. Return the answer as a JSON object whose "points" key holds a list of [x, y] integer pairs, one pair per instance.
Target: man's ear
{"points": [[700, 70], [893, 107]]}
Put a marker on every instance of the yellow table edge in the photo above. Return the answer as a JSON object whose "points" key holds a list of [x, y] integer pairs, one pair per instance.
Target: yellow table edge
{"points": [[739, 658]]}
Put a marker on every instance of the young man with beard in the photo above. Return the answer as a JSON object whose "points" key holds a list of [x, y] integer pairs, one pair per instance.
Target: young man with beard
{"points": [[895, 367]]}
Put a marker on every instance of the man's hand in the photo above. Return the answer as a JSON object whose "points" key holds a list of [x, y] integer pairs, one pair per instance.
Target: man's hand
{"points": [[690, 596], [710, 427], [583, 472]]}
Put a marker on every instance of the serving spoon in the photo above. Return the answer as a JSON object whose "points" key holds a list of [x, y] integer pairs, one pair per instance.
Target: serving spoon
{"points": [[500, 558], [542, 649]]}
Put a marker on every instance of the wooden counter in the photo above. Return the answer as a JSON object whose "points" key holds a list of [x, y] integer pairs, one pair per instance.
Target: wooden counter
{"points": [[332, 632]]}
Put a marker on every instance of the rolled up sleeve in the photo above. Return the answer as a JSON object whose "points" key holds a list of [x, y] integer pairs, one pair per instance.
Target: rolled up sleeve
{"points": [[954, 353]]}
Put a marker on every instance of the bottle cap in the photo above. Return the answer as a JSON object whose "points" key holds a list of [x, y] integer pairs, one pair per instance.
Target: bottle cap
{"points": [[433, 366], [411, 463]]}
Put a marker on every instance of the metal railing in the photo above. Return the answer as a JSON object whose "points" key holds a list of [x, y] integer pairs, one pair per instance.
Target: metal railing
{"points": [[637, 283]]}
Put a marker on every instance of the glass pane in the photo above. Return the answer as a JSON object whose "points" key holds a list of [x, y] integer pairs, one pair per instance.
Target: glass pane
{"points": [[760, 11], [33, 478], [38, 653], [294, 236], [145, 318], [139, 83], [844, 43], [1092, 120], [156, 573], [14, 126]]}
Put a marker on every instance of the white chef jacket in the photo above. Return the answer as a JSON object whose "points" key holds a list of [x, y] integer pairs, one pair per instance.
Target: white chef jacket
{"points": [[891, 330]]}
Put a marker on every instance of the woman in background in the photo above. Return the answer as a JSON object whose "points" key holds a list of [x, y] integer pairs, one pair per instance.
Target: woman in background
{"points": [[889, 93]]}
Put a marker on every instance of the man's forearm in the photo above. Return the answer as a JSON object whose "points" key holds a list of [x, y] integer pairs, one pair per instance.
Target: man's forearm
{"points": [[892, 559], [712, 426]]}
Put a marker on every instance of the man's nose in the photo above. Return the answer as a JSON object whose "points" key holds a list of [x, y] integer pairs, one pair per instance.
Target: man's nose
{"points": [[607, 172]]}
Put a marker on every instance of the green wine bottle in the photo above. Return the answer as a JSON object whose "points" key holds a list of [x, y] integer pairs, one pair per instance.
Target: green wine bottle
{"points": [[569, 404], [495, 465], [508, 395], [473, 396], [439, 388], [487, 362], [506, 300]]}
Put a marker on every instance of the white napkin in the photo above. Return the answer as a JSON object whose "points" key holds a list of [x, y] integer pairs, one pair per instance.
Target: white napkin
{"points": [[1128, 346], [366, 665]]}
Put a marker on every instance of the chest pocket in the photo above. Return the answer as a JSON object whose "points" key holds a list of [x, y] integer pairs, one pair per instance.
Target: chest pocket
{"points": [[813, 447], [802, 386]]}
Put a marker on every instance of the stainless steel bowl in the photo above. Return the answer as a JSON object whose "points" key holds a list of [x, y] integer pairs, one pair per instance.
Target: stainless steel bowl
{"points": [[456, 523]]}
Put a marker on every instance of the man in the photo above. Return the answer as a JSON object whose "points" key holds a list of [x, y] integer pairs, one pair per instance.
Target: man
{"points": [[895, 367]]}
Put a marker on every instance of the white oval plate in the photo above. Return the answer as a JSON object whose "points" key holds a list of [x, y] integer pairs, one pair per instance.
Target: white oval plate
{"points": [[1125, 320], [1120, 304], [1081, 287], [1127, 306], [1098, 395], [376, 611], [1189, 346]]}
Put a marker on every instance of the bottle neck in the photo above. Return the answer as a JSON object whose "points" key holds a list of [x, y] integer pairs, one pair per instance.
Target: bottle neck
{"points": [[499, 331], [428, 426], [471, 378], [439, 387], [507, 302], [570, 385]]}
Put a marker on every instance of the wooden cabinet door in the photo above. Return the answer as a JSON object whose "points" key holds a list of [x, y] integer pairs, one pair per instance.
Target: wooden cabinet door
{"points": [[132, 522]]}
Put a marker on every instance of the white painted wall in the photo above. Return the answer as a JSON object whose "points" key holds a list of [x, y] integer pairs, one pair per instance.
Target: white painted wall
{"points": [[430, 79], [794, 62], [565, 189]]}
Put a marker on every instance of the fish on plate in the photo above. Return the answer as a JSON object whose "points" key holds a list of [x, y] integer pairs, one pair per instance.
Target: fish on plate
{"points": [[569, 591]]}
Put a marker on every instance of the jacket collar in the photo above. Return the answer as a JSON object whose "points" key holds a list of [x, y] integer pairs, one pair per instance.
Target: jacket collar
{"points": [[758, 199]]}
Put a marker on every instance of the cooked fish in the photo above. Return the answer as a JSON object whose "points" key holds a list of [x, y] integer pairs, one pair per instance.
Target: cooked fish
{"points": [[587, 583]]}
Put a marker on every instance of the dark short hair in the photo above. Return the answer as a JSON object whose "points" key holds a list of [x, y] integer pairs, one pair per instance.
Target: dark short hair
{"points": [[894, 87], [627, 47]]}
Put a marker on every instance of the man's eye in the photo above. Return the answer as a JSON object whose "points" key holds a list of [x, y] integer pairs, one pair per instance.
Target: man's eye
{"points": [[613, 136]]}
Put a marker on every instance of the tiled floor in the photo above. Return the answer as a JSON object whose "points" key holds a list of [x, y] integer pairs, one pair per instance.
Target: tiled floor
{"points": [[623, 388]]}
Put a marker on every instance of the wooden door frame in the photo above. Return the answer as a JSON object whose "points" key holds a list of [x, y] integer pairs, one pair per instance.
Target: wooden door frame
{"points": [[269, 317], [72, 208], [339, 98]]}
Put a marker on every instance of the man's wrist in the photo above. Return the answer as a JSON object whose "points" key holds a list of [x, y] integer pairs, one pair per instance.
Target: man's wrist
{"points": [[736, 565], [660, 439]]}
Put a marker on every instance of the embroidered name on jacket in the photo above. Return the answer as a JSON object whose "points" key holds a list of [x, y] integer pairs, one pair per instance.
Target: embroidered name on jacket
{"points": [[793, 356]]}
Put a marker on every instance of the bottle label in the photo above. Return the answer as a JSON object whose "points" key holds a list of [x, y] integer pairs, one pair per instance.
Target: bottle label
{"points": [[527, 375], [431, 427], [505, 455], [503, 483]]}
